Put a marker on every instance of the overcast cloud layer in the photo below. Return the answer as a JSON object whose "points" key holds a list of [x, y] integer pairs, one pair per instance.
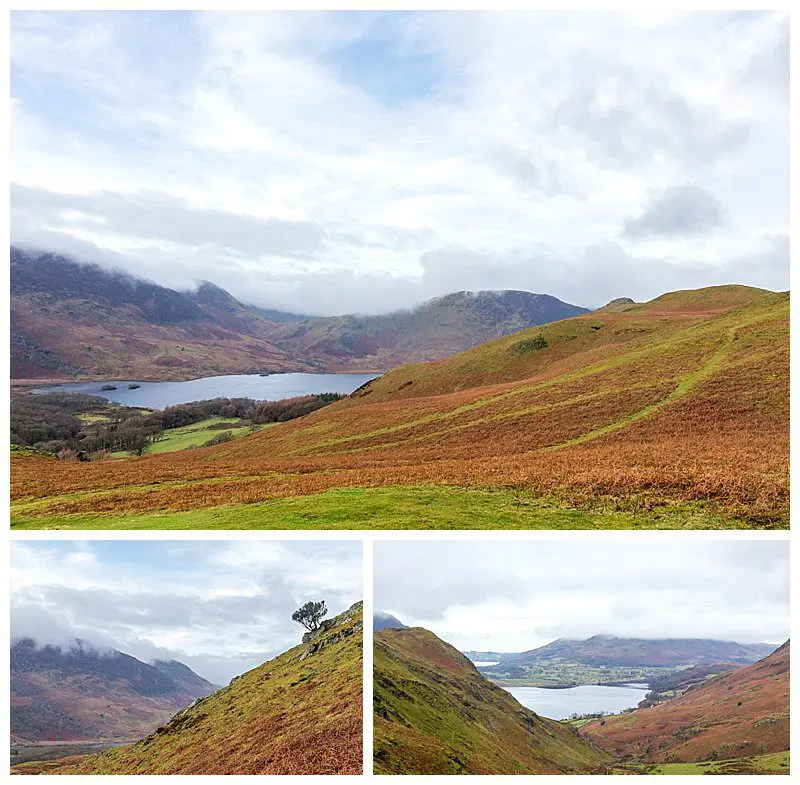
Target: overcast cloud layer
{"points": [[332, 162], [220, 607], [516, 595]]}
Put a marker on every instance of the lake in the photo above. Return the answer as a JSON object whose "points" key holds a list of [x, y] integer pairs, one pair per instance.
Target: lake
{"points": [[157, 395], [560, 704]]}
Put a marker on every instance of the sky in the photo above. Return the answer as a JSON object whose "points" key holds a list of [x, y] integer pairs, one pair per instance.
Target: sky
{"points": [[330, 162], [220, 607], [515, 595]]}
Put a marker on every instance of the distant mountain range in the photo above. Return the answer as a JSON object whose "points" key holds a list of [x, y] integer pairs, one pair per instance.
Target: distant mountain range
{"points": [[431, 331], [299, 713], [74, 319], [436, 714], [383, 621], [610, 650], [606, 659], [80, 693]]}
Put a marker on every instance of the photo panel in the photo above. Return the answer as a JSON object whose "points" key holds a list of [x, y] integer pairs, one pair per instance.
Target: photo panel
{"points": [[186, 657], [581, 656]]}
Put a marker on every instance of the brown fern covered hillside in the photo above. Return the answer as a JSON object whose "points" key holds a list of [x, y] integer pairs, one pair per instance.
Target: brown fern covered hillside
{"points": [[738, 714], [668, 414]]}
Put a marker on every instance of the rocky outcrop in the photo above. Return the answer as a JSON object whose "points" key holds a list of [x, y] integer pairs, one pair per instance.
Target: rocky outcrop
{"points": [[333, 630]]}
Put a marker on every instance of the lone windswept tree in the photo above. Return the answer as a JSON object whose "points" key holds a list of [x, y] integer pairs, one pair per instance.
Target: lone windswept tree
{"points": [[310, 614]]}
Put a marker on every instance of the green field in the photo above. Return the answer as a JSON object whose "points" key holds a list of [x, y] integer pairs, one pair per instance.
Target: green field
{"points": [[191, 435], [774, 763], [560, 673], [415, 507]]}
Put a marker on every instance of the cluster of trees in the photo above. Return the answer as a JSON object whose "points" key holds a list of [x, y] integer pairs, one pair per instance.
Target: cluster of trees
{"points": [[257, 412], [69, 423], [50, 422]]}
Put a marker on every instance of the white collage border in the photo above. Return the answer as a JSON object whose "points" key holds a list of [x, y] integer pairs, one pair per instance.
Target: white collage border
{"points": [[368, 537]]}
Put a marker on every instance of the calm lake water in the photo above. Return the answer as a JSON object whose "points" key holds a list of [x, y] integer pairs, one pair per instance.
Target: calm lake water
{"points": [[157, 395], [560, 704]]}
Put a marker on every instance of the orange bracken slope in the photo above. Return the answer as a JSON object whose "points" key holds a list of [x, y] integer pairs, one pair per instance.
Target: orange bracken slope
{"points": [[683, 399], [737, 714]]}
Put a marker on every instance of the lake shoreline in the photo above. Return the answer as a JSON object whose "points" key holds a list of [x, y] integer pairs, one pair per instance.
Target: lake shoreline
{"points": [[57, 381], [505, 684], [258, 387], [578, 701]]}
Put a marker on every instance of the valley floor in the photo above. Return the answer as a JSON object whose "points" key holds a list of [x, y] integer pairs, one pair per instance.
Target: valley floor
{"points": [[774, 763]]}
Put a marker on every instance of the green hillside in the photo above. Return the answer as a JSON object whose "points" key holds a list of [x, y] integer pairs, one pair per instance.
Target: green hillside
{"points": [[435, 714], [300, 713]]}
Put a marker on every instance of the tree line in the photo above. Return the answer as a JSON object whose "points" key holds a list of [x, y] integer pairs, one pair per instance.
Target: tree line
{"points": [[69, 424]]}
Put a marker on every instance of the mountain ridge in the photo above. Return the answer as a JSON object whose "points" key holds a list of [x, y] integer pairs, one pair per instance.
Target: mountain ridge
{"points": [[619, 650], [118, 325], [382, 620], [435, 714], [82, 693]]}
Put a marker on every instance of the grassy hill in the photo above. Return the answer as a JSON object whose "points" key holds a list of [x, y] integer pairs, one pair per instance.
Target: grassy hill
{"points": [[668, 414], [738, 714], [299, 713], [435, 714]]}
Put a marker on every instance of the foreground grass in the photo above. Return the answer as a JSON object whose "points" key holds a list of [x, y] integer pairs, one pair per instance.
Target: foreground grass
{"points": [[400, 507], [774, 763]]}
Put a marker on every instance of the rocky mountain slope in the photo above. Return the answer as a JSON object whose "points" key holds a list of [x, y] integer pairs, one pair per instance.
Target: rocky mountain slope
{"points": [[436, 329], [738, 714], [70, 319], [435, 714], [79, 693], [299, 713]]}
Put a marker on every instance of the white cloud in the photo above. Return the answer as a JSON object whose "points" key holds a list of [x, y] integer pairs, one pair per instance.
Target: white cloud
{"points": [[220, 607], [314, 155], [513, 596]]}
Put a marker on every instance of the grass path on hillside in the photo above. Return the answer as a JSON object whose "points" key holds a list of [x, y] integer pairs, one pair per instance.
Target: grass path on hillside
{"points": [[689, 334], [683, 388], [417, 507], [686, 385]]}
